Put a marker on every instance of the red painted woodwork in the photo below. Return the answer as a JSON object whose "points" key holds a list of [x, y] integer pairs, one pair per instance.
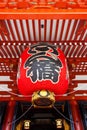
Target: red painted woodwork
{"points": [[76, 116], [7, 124], [62, 23]]}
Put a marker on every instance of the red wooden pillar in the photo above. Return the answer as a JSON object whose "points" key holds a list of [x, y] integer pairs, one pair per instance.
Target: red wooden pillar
{"points": [[9, 116], [78, 125]]}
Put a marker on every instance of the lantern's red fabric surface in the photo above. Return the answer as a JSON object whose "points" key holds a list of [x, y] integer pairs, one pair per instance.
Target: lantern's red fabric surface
{"points": [[42, 66]]}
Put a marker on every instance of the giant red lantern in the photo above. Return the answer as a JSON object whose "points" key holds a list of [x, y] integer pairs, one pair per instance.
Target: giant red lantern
{"points": [[42, 67]]}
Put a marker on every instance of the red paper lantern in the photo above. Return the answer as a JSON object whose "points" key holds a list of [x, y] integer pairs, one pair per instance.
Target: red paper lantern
{"points": [[42, 67]]}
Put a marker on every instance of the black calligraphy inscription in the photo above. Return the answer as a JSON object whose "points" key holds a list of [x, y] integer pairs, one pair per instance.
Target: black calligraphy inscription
{"points": [[43, 64]]}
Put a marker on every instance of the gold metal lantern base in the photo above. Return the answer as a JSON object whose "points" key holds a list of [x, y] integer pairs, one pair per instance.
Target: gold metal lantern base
{"points": [[43, 99]]}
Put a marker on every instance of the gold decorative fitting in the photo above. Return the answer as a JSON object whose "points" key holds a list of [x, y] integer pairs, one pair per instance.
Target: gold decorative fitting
{"points": [[59, 123], [27, 124], [43, 99]]}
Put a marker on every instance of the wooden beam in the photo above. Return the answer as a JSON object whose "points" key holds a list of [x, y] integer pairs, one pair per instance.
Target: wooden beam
{"points": [[43, 12]]}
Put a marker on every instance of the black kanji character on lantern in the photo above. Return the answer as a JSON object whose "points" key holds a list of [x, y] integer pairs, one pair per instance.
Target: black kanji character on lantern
{"points": [[43, 64]]}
